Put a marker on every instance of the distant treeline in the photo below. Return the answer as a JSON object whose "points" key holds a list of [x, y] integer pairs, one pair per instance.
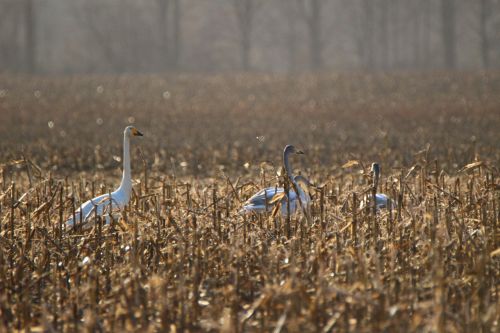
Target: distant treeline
{"points": [[116, 36]]}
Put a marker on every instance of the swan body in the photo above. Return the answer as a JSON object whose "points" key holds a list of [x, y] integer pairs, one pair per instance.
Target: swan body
{"points": [[381, 200], [273, 195], [257, 203], [118, 199]]}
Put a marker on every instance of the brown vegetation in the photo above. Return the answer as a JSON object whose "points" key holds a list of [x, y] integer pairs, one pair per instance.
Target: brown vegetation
{"points": [[181, 258]]}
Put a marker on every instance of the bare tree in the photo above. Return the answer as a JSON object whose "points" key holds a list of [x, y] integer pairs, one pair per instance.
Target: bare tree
{"points": [[368, 27], [484, 16], [170, 32], [395, 32], [245, 12], [10, 25], [163, 7], [384, 33], [30, 36], [426, 31], [415, 34], [290, 12], [448, 32], [177, 34], [129, 43], [100, 36], [494, 38], [132, 35], [311, 13]]}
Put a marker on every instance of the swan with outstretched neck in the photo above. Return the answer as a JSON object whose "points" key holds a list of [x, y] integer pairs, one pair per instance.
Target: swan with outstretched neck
{"points": [[118, 199], [273, 195]]}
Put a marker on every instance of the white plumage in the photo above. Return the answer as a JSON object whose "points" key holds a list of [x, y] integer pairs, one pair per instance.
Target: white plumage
{"points": [[381, 200], [274, 195], [119, 198]]}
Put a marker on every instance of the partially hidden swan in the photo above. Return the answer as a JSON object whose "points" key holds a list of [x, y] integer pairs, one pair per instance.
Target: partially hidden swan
{"points": [[382, 201], [119, 198], [273, 195]]}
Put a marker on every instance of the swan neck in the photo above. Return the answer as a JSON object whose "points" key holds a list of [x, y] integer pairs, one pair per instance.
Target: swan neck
{"points": [[375, 180], [300, 189], [126, 183], [286, 163]]}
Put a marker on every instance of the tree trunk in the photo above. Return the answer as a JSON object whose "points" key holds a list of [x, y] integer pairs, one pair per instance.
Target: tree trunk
{"points": [[384, 34], [177, 34], [246, 30], [291, 19], [395, 32], [163, 26], [315, 45], [368, 34], [483, 21], [245, 47], [426, 32], [448, 31], [30, 36], [244, 13], [417, 49]]}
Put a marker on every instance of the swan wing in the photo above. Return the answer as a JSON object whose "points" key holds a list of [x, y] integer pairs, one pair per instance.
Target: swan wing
{"points": [[382, 200], [259, 198], [99, 204], [273, 195]]}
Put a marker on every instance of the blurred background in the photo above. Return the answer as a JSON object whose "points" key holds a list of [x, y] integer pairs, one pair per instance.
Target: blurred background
{"points": [[209, 83], [279, 36]]}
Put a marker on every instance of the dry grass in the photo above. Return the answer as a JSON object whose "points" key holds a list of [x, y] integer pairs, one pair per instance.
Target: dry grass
{"points": [[182, 259]]}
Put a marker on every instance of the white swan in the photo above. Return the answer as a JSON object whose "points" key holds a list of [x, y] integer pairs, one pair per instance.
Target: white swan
{"points": [[257, 203], [381, 200], [119, 198], [273, 195]]}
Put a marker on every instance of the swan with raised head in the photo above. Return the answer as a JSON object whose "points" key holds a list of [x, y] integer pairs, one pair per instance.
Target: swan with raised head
{"points": [[381, 200], [119, 198], [273, 195]]}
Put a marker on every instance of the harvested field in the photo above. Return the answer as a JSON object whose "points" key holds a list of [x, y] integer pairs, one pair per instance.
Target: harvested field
{"points": [[181, 257]]}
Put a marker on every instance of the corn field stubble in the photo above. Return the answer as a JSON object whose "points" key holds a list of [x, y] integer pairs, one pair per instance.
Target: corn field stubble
{"points": [[181, 258]]}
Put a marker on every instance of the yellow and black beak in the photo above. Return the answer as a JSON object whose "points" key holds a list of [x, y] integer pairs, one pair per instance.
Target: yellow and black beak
{"points": [[300, 152], [135, 132]]}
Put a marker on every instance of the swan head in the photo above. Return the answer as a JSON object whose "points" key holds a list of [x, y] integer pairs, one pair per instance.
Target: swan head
{"points": [[290, 149], [132, 131], [375, 169]]}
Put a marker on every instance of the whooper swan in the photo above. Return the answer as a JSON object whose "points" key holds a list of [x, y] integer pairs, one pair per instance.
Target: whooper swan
{"points": [[273, 195], [119, 198]]}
